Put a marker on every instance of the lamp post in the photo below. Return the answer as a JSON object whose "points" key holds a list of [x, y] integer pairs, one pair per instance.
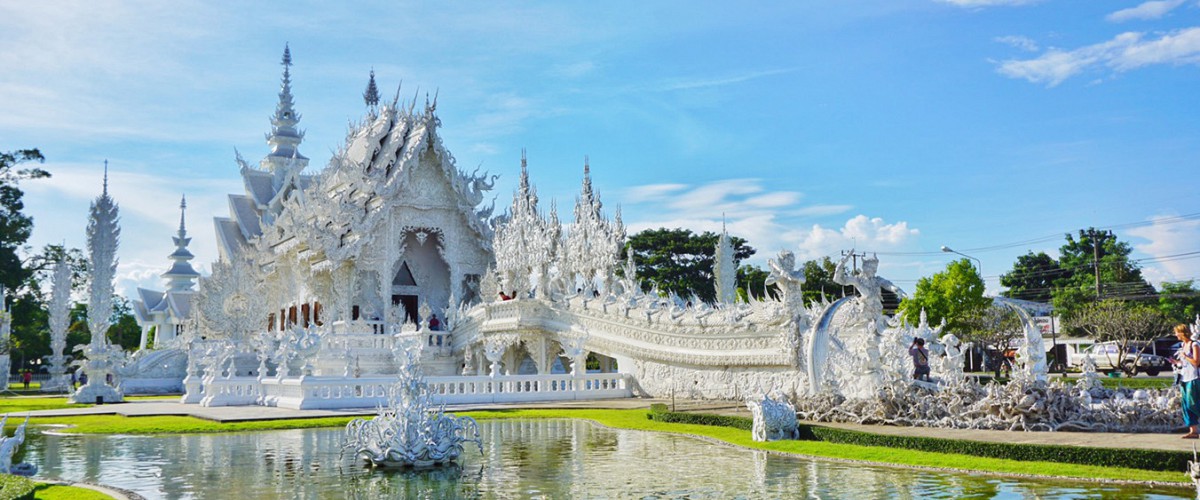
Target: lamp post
{"points": [[978, 264], [978, 267]]}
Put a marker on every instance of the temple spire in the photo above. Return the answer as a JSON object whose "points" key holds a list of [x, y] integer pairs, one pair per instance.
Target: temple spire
{"points": [[105, 189], [371, 95], [284, 137], [181, 276]]}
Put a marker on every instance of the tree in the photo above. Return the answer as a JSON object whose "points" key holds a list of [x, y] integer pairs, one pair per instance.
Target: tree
{"points": [[1179, 302], [15, 227], [1121, 322], [679, 261], [1119, 277], [1033, 277], [993, 328], [124, 331], [818, 281], [753, 280], [952, 295]]}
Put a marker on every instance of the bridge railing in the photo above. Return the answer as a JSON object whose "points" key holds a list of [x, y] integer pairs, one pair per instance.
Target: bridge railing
{"points": [[314, 392]]}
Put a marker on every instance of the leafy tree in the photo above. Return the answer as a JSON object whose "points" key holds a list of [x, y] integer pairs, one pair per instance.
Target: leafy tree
{"points": [[679, 261], [1033, 277], [753, 279], [818, 281], [994, 328], [1121, 322], [1179, 302], [953, 295], [1120, 277], [124, 330], [15, 227]]}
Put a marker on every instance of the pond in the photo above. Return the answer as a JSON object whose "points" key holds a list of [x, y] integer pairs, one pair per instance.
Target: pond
{"points": [[522, 459]]}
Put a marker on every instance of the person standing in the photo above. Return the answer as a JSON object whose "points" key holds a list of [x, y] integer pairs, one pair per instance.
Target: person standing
{"points": [[920, 358], [27, 377], [1187, 361]]}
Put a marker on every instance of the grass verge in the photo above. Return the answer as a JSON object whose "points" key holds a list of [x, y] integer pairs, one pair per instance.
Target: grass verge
{"points": [[46, 491], [638, 420]]}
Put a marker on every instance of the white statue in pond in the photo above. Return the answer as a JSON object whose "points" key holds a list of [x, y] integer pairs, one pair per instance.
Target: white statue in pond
{"points": [[9, 447], [411, 431]]}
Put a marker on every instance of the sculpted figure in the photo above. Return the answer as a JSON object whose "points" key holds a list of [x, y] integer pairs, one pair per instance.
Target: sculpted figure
{"points": [[869, 287], [789, 279]]}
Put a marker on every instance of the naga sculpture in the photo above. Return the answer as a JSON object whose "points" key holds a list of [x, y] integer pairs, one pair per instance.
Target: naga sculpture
{"points": [[9, 447], [411, 432]]}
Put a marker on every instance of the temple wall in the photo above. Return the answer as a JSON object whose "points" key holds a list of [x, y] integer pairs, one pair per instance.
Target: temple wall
{"points": [[689, 382]]}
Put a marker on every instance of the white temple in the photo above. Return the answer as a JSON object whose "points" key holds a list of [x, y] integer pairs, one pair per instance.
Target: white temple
{"points": [[167, 312], [322, 275]]}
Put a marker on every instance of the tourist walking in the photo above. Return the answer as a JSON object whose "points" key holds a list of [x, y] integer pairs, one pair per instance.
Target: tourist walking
{"points": [[920, 358], [1187, 361]]}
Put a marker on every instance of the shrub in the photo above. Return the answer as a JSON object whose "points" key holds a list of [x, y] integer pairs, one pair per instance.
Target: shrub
{"points": [[1145, 459], [16, 487]]}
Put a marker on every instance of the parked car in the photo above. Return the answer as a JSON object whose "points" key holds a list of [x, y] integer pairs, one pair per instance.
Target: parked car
{"points": [[1109, 358]]}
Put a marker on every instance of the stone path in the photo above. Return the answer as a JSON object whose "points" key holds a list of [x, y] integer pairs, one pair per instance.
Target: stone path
{"points": [[251, 413]]}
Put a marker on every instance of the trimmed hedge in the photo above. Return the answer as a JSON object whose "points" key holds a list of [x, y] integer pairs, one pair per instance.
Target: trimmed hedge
{"points": [[16, 487], [742, 423], [1155, 460]]}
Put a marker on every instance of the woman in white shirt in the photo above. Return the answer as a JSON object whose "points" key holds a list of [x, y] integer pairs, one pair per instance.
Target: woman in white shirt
{"points": [[1188, 361]]}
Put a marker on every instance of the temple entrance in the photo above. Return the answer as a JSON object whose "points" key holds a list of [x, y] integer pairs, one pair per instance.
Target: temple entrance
{"points": [[410, 306]]}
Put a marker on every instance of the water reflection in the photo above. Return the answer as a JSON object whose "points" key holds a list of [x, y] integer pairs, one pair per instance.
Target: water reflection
{"points": [[522, 458]]}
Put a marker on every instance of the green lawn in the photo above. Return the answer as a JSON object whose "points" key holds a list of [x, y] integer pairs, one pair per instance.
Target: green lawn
{"points": [[46, 491], [636, 419]]}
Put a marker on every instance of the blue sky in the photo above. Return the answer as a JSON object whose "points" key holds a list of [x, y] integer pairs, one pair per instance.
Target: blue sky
{"points": [[894, 126]]}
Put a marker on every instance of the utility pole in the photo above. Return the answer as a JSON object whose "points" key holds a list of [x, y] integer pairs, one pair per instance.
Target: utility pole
{"points": [[1094, 235], [854, 261]]}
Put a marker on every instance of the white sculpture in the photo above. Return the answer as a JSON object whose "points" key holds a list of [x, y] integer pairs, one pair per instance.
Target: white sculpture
{"points": [[103, 235], [9, 447], [774, 418], [59, 320], [725, 270], [411, 431]]}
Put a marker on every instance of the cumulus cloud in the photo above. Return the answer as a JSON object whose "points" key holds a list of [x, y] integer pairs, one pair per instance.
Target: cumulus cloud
{"points": [[769, 220], [861, 232], [1165, 237], [1153, 9], [1124, 52]]}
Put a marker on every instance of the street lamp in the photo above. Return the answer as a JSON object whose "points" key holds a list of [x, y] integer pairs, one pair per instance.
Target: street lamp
{"points": [[978, 264]]}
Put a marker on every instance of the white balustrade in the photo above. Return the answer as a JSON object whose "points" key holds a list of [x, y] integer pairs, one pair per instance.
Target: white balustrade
{"points": [[366, 392]]}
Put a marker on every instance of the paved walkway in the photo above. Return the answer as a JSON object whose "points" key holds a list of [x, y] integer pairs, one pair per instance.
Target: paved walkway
{"points": [[251, 413]]}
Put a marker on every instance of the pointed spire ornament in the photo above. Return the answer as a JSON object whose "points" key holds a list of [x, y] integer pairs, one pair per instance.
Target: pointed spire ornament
{"points": [[181, 276], [371, 95], [103, 237], [284, 137]]}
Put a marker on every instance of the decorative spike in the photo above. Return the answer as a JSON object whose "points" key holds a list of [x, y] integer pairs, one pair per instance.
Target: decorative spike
{"points": [[396, 98], [371, 95], [105, 189], [287, 55], [182, 209]]}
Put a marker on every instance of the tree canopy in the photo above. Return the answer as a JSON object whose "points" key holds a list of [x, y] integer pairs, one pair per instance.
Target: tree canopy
{"points": [[1033, 277], [1119, 276], [955, 294], [680, 261]]}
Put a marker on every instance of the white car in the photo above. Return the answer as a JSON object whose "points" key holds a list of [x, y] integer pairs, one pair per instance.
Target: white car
{"points": [[1109, 358]]}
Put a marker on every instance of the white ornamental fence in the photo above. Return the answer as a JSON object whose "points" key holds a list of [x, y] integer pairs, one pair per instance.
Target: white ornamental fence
{"points": [[315, 392]]}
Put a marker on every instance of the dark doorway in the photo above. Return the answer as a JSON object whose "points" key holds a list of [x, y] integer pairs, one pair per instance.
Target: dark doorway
{"points": [[410, 306]]}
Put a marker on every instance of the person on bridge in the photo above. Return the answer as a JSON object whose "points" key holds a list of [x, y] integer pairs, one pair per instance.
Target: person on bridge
{"points": [[920, 358], [1187, 362]]}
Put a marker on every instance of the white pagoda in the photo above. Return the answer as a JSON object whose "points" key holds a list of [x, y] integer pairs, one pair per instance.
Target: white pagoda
{"points": [[167, 312]]}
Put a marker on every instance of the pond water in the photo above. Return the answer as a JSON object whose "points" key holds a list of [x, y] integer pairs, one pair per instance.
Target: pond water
{"points": [[522, 459]]}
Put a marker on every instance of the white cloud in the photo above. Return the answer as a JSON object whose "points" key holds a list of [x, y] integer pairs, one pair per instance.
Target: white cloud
{"points": [[149, 209], [1153, 9], [719, 81], [860, 232], [770, 220], [987, 3], [1024, 43], [1124, 52], [1168, 236]]}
